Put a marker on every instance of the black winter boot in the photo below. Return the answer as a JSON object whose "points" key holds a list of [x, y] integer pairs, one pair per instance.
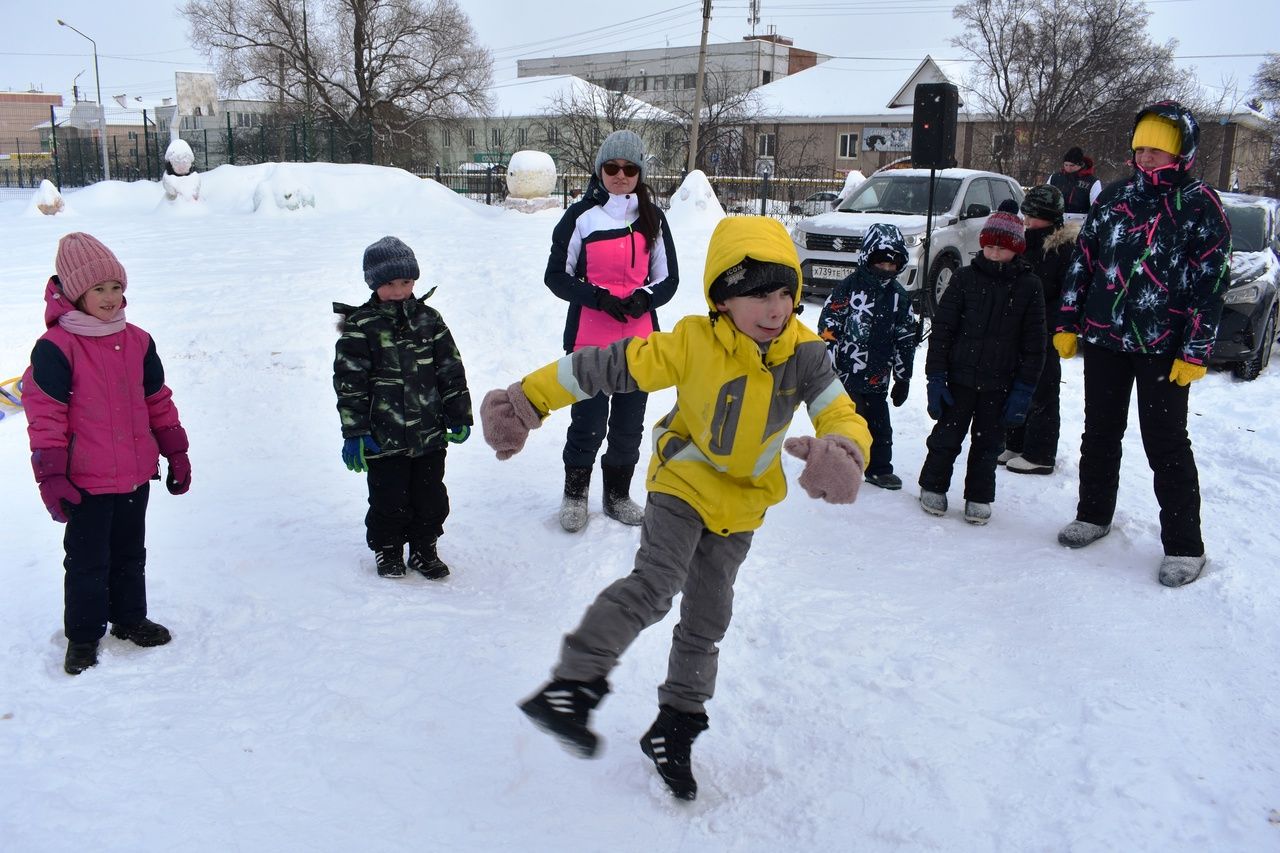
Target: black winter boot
{"points": [[563, 708], [573, 509], [80, 656], [390, 561], [668, 744], [617, 495], [144, 633], [424, 560]]}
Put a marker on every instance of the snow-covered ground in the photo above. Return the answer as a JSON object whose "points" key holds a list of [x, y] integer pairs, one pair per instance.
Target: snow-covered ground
{"points": [[891, 681]]}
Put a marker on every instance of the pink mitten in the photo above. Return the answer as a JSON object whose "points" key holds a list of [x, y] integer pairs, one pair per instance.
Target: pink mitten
{"points": [[833, 467], [507, 416], [57, 492]]}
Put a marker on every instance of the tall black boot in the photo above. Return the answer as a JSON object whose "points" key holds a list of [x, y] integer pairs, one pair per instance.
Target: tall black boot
{"points": [[564, 708], [617, 495], [573, 509], [424, 560], [669, 743]]}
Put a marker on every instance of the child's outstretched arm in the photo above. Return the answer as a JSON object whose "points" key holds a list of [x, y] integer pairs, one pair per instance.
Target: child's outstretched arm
{"points": [[507, 417]]}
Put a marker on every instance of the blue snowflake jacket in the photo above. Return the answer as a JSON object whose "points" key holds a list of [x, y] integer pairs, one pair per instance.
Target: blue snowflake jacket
{"points": [[868, 323], [1153, 260]]}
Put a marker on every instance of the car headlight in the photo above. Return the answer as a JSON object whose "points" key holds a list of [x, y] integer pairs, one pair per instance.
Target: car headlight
{"points": [[913, 240], [798, 235], [1243, 294]]}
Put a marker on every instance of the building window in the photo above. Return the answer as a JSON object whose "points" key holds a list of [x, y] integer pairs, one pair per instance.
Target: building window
{"points": [[446, 138], [848, 145], [765, 144], [668, 140], [553, 135], [471, 137], [766, 77], [522, 136], [495, 139]]}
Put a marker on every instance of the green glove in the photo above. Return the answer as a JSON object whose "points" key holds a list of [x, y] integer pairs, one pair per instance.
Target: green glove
{"points": [[353, 452], [457, 435]]}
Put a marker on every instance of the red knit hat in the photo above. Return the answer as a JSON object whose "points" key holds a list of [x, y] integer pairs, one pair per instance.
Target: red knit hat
{"points": [[1005, 230], [83, 263]]}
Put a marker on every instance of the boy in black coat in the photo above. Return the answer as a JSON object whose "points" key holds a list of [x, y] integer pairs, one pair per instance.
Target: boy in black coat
{"points": [[985, 354]]}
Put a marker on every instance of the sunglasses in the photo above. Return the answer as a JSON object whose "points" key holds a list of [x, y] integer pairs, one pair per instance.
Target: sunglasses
{"points": [[630, 170]]}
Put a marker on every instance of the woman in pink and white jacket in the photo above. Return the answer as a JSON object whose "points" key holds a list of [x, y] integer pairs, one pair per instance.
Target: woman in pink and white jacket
{"points": [[99, 416], [613, 261]]}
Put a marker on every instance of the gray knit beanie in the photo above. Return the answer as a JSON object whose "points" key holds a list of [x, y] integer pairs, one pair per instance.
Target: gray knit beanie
{"points": [[621, 145], [387, 260]]}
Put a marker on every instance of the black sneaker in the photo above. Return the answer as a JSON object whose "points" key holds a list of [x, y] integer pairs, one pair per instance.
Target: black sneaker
{"points": [[390, 561], [427, 563], [892, 482], [144, 633], [563, 708], [80, 656], [669, 743]]}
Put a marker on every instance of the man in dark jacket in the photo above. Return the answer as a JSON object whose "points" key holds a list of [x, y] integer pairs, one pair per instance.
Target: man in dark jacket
{"points": [[1076, 181], [985, 353], [1144, 295]]}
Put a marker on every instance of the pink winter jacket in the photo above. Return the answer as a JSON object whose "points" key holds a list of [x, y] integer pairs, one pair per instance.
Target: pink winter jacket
{"points": [[101, 398]]}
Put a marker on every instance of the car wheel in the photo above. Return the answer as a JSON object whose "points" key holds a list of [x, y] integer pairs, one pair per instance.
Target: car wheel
{"points": [[940, 273], [1252, 369]]}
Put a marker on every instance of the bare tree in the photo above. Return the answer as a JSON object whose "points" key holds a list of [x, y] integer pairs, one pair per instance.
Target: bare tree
{"points": [[728, 108], [577, 120], [1057, 73], [1266, 83], [380, 67]]}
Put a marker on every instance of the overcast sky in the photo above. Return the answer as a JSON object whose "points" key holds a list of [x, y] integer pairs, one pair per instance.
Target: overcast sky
{"points": [[141, 44]]}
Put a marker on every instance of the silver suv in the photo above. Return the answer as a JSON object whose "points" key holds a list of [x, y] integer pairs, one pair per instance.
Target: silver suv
{"points": [[830, 244]]}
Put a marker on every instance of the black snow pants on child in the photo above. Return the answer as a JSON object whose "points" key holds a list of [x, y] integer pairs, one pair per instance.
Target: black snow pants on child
{"points": [[408, 501], [982, 409], [106, 559]]}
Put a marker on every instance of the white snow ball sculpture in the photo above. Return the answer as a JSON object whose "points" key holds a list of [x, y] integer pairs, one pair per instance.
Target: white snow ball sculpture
{"points": [[180, 156], [531, 174], [284, 196], [48, 199]]}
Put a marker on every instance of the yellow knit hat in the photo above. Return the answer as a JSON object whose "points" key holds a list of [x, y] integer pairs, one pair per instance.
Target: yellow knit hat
{"points": [[1155, 131]]}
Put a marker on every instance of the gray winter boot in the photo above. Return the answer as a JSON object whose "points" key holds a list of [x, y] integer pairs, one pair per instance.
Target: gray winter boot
{"points": [[1180, 571], [977, 513], [573, 509], [617, 495], [934, 503], [1079, 533]]}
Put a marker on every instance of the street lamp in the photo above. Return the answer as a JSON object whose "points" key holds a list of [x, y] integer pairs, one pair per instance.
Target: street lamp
{"points": [[102, 110]]}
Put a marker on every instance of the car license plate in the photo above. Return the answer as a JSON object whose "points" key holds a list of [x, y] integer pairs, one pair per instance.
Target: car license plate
{"points": [[829, 272]]}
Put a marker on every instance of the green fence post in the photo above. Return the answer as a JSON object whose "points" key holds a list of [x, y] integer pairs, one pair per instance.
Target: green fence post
{"points": [[53, 148], [231, 142]]}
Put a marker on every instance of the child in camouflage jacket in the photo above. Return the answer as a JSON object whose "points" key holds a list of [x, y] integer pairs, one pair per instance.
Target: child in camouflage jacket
{"points": [[403, 398]]}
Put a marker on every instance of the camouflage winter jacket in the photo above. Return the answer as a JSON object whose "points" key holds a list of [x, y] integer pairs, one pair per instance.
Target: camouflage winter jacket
{"points": [[399, 376]]}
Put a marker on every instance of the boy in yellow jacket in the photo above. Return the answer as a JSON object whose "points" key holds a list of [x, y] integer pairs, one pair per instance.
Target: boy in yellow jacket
{"points": [[740, 374]]}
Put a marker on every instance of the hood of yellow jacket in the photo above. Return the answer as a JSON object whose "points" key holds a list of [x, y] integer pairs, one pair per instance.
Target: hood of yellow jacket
{"points": [[758, 237]]}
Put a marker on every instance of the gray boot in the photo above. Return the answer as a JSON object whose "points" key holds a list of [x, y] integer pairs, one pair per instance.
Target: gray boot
{"points": [[573, 509], [934, 503], [1079, 533], [617, 495], [1180, 571]]}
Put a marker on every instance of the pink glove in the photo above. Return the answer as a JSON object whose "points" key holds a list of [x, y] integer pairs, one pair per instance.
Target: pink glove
{"points": [[173, 445], [50, 465], [507, 416], [833, 467]]}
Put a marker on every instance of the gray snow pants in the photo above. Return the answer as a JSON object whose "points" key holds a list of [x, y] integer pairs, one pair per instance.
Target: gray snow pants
{"points": [[677, 554]]}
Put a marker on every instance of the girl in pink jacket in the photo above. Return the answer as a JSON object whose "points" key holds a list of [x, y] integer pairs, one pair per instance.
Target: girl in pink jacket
{"points": [[99, 416]]}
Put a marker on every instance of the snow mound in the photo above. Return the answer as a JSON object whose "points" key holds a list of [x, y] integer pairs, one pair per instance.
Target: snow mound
{"points": [[694, 203]]}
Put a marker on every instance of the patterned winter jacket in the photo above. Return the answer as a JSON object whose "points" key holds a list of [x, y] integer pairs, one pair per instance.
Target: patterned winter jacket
{"points": [[595, 249], [1153, 261], [719, 448], [989, 329], [868, 323], [399, 376], [103, 399]]}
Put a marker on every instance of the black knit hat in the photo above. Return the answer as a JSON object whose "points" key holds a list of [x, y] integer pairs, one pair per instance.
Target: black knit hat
{"points": [[387, 260], [1074, 155], [1044, 202], [751, 277]]}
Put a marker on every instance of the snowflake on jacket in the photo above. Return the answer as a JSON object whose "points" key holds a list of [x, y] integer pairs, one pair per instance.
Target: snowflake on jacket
{"points": [[867, 321], [1153, 260], [399, 376]]}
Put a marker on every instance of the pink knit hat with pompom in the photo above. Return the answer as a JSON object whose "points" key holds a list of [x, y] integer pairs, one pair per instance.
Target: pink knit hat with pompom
{"points": [[83, 262]]}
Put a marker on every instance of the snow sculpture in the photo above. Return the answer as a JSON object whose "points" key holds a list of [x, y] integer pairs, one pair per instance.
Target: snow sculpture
{"points": [[695, 201], [531, 178], [48, 199], [284, 196], [179, 181]]}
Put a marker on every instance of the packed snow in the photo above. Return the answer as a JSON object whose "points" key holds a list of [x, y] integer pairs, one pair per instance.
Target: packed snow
{"points": [[891, 681]]}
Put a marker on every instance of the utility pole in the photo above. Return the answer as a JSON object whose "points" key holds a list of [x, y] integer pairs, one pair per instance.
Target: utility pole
{"points": [[102, 109], [697, 93]]}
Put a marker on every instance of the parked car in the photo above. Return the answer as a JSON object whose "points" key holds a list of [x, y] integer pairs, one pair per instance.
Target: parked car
{"points": [[830, 244], [1247, 331], [815, 204]]}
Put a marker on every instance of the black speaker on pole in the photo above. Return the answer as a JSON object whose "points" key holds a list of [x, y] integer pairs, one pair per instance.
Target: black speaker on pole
{"points": [[933, 126]]}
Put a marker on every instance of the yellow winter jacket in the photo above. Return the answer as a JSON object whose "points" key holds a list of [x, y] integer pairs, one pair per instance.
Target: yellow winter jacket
{"points": [[719, 448]]}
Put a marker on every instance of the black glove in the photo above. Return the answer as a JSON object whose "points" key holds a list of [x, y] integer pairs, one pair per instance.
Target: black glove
{"points": [[1017, 404], [637, 304], [939, 396], [900, 390], [611, 305]]}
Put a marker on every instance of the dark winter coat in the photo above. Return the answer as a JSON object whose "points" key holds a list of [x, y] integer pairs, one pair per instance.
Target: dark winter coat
{"points": [[594, 248], [989, 330], [1153, 261], [1076, 187], [399, 376], [1049, 252], [869, 327]]}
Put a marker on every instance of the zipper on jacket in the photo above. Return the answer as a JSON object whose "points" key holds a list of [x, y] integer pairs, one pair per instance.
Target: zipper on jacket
{"points": [[632, 236]]}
